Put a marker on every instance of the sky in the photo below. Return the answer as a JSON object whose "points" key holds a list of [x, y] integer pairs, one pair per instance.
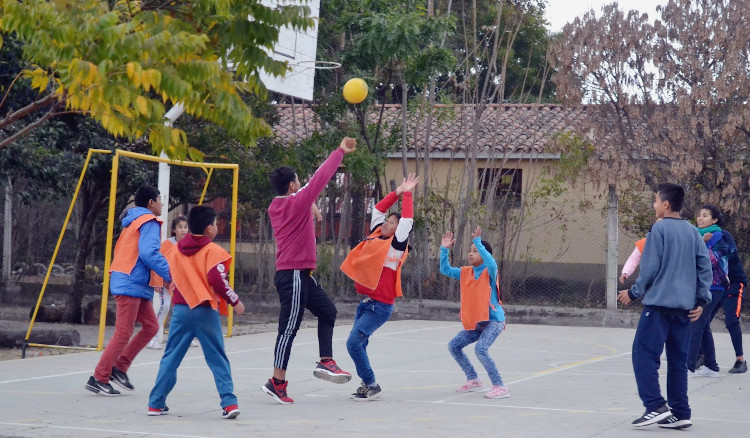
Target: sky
{"points": [[561, 12]]}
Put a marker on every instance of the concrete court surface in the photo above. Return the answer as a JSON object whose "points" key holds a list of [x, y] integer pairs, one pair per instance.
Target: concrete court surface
{"points": [[564, 381]]}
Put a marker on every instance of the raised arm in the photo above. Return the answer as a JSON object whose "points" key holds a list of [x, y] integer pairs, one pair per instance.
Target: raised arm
{"points": [[445, 266], [307, 194]]}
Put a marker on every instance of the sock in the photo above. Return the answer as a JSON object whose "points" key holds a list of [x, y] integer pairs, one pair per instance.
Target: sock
{"points": [[277, 381], [373, 384]]}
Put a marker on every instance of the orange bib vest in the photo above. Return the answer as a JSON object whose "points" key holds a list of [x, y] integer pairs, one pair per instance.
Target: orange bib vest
{"points": [[126, 248], [190, 275], [156, 280], [641, 244], [364, 264], [476, 295]]}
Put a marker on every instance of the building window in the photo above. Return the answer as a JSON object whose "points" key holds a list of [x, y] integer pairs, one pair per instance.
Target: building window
{"points": [[507, 184]]}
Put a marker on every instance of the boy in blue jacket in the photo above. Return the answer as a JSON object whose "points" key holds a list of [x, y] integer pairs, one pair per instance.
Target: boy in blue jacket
{"points": [[674, 287], [136, 255]]}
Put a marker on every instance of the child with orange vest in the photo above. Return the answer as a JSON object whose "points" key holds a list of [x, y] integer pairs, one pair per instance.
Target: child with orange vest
{"points": [[375, 266], [136, 255], [199, 288], [163, 301], [482, 313]]}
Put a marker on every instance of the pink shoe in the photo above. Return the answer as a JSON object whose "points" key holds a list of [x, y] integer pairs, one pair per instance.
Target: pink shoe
{"points": [[498, 392], [471, 386]]}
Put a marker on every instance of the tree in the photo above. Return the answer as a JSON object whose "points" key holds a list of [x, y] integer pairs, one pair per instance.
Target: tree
{"points": [[123, 62], [666, 100]]}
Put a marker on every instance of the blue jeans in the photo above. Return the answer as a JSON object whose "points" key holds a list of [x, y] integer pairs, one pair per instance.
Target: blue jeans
{"points": [[656, 331], [484, 335], [370, 316], [701, 337], [203, 323]]}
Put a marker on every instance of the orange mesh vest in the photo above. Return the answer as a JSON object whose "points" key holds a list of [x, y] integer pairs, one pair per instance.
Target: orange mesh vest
{"points": [[126, 248], [156, 280], [190, 275], [364, 264], [475, 297], [641, 244]]}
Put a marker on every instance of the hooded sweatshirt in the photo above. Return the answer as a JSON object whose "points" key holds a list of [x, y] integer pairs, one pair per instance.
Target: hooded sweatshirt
{"points": [[217, 275], [136, 283]]}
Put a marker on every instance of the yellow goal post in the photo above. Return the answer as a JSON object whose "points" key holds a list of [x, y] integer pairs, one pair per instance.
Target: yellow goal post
{"points": [[207, 167]]}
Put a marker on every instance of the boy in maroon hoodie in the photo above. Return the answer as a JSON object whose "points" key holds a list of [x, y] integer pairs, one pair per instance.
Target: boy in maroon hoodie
{"points": [[294, 229]]}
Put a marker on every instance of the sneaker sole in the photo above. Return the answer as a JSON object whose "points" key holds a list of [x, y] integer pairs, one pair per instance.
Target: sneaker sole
{"points": [[234, 414], [654, 420], [497, 396], [274, 396], [335, 378], [478, 388], [681, 424], [121, 385], [99, 391], [737, 372], [364, 399], [156, 413]]}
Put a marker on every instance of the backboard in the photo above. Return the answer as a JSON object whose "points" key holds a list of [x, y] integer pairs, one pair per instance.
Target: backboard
{"points": [[299, 50]]}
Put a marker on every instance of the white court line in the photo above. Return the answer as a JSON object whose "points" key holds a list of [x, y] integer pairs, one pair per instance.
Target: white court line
{"points": [[91, 429], [494, 347]]}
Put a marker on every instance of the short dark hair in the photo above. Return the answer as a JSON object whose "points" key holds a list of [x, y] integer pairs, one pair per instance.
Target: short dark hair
{"points": [[176, 221], [280, 179], [398, 215], [144, 194], [672, 193], [715, 213], [487, 246], [199, 218]]}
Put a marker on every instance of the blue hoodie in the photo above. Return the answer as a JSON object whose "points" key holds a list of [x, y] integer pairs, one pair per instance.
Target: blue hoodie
{"points": [[496, 310], [149, 258]]}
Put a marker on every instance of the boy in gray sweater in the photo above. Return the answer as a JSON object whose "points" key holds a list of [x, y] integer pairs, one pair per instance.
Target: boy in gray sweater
{"points": [[673, 286]]}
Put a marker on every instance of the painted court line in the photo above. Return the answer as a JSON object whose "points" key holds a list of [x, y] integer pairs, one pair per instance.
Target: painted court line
{"points": [[91, 429]]}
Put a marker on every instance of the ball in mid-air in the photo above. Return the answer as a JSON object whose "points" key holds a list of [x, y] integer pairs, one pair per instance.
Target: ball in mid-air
{"points": [[355, 90]]}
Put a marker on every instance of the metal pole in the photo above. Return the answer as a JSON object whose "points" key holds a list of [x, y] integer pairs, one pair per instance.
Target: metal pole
{"points": [[612, 229], [163, 186], [7, 230]]}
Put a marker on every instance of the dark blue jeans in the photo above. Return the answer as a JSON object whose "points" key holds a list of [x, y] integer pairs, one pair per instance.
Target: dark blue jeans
{"points": [[370, 316], [656, 331], [701, 337], [731, 305]]}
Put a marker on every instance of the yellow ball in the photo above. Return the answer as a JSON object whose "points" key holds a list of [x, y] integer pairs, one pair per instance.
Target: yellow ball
{"points": [[355, 90]]}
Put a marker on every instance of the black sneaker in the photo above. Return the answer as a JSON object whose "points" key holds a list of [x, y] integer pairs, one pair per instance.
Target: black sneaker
{"points": [[328, 370], [371, 393], [121, 379], [361, 390], [153, 412], [102, 388], [673, 422], [278, 392], [739, 367], [651, 417]]}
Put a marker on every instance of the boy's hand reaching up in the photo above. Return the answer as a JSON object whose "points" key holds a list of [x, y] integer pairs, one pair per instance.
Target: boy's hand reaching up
{"points": [[448, 240], [348, 145], [476, 233], [408, 184]]}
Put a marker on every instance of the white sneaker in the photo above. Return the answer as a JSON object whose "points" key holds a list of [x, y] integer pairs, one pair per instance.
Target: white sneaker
{"points": [[707, 372], [194, 343], [153, 345]]}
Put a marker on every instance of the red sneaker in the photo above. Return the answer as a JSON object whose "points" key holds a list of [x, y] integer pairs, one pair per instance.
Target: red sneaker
{"points": [[328, 370], [278, 392], [231, 411]]}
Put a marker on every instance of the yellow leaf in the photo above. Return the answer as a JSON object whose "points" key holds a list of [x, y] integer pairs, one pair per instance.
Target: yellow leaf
{"points": [[145, 80], [130, 67], [142, 105], [175, 136]]}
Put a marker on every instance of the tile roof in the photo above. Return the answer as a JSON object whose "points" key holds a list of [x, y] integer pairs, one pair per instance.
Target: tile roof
{"points": [[508, 127]]}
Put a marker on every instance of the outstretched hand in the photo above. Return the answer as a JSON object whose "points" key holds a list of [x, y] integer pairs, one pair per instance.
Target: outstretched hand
{"points": [[408, 184], [348, 145], [476, 233], [448, 240]]}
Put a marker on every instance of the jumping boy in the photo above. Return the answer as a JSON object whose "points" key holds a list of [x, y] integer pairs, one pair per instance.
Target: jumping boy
{"points": [[482, 313], [674, 286], [375, 266], [294, 229], [200, 288], [136, 255]]}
